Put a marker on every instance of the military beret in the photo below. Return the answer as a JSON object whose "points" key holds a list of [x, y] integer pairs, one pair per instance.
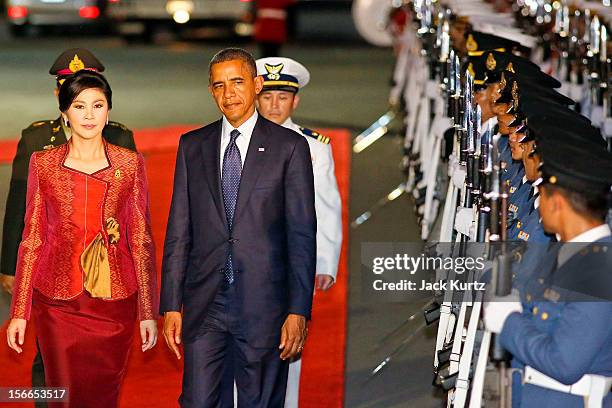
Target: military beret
{"points": [[73, 60]]}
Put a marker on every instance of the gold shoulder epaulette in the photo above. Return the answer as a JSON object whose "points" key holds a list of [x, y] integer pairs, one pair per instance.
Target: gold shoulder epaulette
{"points": [[40, 123], [315, 134]]}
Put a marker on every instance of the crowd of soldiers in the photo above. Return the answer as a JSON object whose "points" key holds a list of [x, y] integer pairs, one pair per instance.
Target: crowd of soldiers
{"points": [[507, 114]]}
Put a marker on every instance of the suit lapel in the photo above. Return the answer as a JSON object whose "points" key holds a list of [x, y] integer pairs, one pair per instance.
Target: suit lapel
{"points": [[257, 155], [211, 145]]}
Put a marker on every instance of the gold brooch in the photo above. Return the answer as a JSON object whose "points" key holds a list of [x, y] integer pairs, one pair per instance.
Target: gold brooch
{"points": [[117, 174], [112, 229]]}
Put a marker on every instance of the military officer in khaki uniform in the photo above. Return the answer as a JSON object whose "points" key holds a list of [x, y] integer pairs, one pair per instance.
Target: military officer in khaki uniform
{"points": [[42, 135]]}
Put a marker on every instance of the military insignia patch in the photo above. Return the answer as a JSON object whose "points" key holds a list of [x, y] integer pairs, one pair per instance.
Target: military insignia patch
{"points": [[523, 235], [491, 63], [513, 208], [37, 124], [76, 64], [470, 69], [273, 71], [316, 135], [471, 43], [510, 68], [512, 189]]}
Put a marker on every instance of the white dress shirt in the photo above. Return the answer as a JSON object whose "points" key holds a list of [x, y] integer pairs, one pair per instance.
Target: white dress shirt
{"points": [[246, 131]]}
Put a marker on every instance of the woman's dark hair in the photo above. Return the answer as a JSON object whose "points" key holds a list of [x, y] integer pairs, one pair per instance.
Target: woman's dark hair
{"points": [[80, 81]]}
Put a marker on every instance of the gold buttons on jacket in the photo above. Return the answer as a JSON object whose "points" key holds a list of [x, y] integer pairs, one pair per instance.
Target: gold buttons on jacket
{"points": [[544, 316], [117, 174], [535, 311]]}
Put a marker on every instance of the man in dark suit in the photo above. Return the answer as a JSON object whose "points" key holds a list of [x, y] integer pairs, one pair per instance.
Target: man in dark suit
{"points": [[42, 135], [240, 251]]}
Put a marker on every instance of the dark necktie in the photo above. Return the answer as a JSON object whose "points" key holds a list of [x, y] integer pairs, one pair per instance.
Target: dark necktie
{"points": [[230, 181]]}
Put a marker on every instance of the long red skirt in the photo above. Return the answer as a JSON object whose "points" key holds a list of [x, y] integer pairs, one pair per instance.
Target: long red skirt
{"points": [[84, 344]]}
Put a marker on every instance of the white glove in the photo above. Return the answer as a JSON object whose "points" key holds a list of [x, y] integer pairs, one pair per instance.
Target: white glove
{"points": [[458, 176], [498, 309], [464, 221]]}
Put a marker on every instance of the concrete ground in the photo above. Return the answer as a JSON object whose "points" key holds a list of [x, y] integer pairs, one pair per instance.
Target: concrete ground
{"points": [[166, 84]]}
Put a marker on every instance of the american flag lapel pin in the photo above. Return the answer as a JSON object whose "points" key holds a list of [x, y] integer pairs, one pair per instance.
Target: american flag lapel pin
{"points": [[261, 149]]}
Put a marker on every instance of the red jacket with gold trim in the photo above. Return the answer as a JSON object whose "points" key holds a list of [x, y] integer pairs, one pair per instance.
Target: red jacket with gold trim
{"points": [[47, 250]]}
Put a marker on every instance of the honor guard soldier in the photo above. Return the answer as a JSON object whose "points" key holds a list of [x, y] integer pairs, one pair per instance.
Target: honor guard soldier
{"points": [[43, 135], [559, 333], [283, 78]]}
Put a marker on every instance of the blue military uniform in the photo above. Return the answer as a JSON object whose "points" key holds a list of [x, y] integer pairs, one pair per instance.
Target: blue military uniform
{"points": [[565, 329], [564, 340], [518, 205]]}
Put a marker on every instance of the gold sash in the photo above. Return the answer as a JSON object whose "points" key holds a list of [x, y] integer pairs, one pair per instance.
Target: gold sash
{"points": [[94, 261]]}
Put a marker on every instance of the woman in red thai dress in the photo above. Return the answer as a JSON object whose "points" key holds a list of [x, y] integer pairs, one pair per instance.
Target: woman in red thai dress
{"points": [[86, 264]]}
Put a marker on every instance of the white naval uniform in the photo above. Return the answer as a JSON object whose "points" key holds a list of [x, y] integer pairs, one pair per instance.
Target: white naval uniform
{"points": [[329, 232]]}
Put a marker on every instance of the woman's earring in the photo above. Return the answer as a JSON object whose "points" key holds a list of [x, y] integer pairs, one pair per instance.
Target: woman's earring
{"points": [[66, 122], [107, 120]]}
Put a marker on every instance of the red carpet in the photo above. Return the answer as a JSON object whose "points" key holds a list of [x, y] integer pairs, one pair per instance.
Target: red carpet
{"points": [[154, 378]]}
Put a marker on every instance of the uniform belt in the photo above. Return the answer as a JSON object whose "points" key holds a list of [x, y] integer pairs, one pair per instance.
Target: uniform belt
{"points": [[272, 13], [594, 387]]}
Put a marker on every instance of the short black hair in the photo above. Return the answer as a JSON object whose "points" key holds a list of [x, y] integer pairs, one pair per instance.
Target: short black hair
{"points": [[80, 81], [590, 203], [232, 54]]}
